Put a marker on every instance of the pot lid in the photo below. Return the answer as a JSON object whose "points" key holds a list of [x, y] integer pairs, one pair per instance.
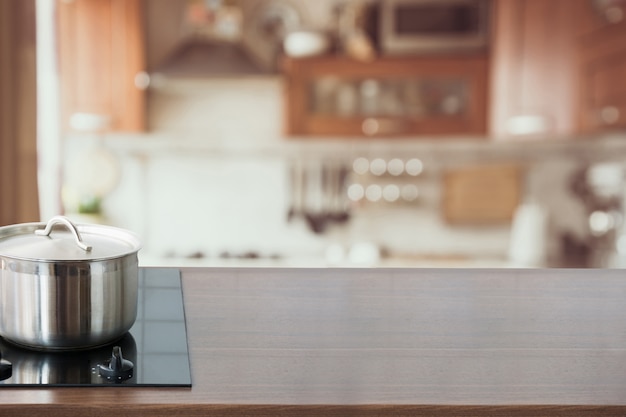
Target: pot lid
{"points": [[52, 243]]}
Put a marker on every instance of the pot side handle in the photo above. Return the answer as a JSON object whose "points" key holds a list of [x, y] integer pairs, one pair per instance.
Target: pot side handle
{"points": [[71, 227]]}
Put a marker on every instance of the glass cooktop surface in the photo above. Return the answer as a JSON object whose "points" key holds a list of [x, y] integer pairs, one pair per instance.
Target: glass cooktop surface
{"points": [[154, 352]]}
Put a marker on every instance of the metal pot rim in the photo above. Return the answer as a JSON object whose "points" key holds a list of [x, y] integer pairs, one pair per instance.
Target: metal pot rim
{"points": [[46, 242]]}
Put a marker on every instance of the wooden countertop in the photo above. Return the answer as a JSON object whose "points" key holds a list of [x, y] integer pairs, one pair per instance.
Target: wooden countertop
{"points": [[373, 342]]}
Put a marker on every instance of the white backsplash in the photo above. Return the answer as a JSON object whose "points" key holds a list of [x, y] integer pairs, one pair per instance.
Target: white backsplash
{"points": [[227, 114]]}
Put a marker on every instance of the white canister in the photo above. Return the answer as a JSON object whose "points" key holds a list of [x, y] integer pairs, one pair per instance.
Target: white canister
{"points": [[528, 242]]}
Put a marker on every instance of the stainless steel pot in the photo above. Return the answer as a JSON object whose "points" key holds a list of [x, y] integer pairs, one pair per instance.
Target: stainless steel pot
{"points": [[66, 286]]}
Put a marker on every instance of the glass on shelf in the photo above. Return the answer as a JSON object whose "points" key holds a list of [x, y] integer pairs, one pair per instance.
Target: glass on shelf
{"points": [[397, 97]]}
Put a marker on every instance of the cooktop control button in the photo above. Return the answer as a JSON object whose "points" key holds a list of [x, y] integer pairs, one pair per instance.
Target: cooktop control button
{"points": [[117, 369], [6, 368]]}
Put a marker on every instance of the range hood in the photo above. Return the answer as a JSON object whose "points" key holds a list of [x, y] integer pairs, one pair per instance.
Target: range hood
{"points": [[212, 42], [201, 58], [218, 40]]}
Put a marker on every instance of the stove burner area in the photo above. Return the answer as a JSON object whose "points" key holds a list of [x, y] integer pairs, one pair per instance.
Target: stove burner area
{"points": [[6, 369], [117, 369], [154, 352]]}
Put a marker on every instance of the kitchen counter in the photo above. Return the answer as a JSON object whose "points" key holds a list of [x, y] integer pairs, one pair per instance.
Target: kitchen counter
{"points": [[373, 342]]}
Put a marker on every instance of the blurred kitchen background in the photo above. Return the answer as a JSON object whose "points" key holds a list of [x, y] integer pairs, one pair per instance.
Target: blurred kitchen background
{"points": [[420, 133]]}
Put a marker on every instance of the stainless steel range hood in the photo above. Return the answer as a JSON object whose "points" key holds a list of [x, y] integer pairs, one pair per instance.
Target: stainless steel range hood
{"points": [[213, 39], [202, 58]]}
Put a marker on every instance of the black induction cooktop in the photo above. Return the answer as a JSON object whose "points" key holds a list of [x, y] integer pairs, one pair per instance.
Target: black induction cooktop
{"points": [[154, 352]]}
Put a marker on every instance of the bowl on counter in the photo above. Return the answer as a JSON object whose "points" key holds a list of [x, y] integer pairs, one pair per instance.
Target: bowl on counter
{"points": [[306, 43]]}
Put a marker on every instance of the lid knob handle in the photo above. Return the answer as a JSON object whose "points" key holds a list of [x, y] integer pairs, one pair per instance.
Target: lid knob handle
{"points": [[67, 223]]}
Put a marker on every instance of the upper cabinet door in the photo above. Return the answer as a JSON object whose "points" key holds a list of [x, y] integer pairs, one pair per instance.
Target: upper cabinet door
{"points": [[602, 53], [102, 64], [534, 68]]}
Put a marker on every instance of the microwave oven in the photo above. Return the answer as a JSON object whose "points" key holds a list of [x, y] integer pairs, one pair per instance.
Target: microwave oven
{"points": [[416, 26]]}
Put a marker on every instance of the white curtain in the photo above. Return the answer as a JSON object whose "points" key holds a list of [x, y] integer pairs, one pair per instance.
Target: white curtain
{"points": [[48, 113]]}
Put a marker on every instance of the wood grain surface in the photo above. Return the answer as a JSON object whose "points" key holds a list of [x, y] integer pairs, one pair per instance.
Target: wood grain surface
{"points": [[373, 342]]}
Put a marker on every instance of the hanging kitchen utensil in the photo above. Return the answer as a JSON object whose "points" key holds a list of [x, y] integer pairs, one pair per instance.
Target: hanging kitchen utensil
{"points": [[340, 212], [314, 198]]}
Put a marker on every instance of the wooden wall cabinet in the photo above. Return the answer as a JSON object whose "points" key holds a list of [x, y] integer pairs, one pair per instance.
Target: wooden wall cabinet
{"points": [[388, 97], [102, 61], [558, 67], [602, 53], [533, 68]]}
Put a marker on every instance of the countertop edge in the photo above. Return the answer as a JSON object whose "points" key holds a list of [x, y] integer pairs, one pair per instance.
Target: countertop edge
{"points": [[276, 410]]}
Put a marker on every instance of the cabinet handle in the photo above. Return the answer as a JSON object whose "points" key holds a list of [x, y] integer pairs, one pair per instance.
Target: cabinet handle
{"points": [[372, 126], [142, 80], [609, 115]]}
